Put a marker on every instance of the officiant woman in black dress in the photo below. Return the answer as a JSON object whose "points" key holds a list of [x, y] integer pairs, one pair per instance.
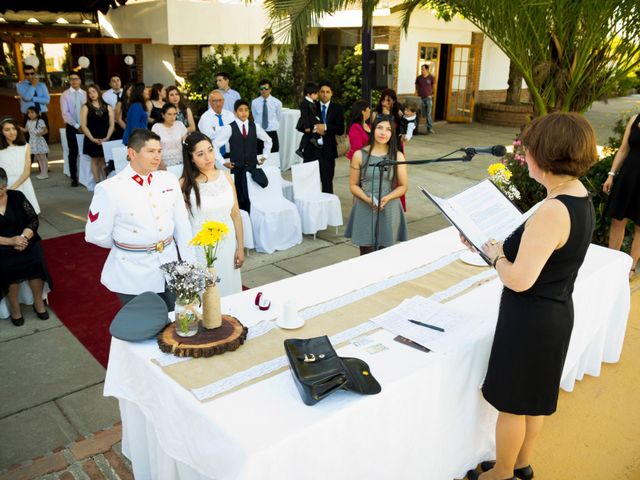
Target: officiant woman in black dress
{"points": [[538, 264]]}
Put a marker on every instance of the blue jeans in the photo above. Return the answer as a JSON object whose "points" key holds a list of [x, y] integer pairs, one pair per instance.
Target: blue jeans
{"points": [[427, 106]]}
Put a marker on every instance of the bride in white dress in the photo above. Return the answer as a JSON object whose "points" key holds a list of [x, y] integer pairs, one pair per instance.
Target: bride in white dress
{"points": [[212, 197]]}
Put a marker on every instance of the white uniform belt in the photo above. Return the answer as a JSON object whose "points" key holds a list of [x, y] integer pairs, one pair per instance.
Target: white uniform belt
{"points": [[154, 247]]}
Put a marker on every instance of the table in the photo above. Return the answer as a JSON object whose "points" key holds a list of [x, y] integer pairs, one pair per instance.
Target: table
{"points": [[429, 420], [289, 138]]}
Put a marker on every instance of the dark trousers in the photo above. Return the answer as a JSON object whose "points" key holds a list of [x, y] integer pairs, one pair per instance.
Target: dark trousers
{"points": [[72, 141], [168, 297], [242, 190], [275, 147], [327, 171]]}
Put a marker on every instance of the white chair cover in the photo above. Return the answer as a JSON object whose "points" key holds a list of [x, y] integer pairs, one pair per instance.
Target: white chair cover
{"points": [[120, 158], [273, 160], [275, 220], [108, 147], [317, 209], [287, 190], [85, 177], [247, 230], [65, 151]]}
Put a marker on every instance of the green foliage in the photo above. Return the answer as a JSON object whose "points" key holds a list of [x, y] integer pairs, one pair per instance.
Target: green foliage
{"points": [[244, 74], [346, 78], [532, 192]]}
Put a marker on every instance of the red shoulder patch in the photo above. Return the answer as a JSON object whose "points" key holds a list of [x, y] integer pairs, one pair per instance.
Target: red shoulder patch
{"points": [[93, 216]]}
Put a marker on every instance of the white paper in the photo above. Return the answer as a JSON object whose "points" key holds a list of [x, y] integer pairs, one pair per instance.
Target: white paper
{"points": [[480, 212], [460, 328]]}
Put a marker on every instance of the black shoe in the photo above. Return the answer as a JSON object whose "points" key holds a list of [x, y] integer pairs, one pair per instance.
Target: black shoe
{"points": [[17, 321], [42, 316], [524, 473], [474, 475], [300, 153], [74, 183]]}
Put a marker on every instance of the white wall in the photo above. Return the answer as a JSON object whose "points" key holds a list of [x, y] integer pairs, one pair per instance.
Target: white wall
{"points": [[154, 69], [140, 20], [495, 67]]}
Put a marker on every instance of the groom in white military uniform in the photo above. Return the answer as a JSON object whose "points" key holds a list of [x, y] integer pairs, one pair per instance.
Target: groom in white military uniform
{"points": [[141, 216]]}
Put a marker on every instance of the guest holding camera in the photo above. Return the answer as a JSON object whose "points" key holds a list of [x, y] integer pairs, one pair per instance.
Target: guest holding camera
{"points": [[538, 264], [21, 256]]}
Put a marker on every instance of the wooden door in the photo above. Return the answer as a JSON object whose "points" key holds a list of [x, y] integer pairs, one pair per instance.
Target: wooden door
{"points": [[463, 65]]}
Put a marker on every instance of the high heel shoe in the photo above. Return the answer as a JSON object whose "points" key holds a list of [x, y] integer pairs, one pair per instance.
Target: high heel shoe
{"points": [[474, 475], [18, 322], [42, 316], [523, 473]]}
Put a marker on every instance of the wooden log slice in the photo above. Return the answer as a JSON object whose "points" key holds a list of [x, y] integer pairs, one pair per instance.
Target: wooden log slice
{"points": [[206, 343]]}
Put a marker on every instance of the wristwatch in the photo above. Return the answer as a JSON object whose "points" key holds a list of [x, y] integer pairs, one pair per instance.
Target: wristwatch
{"points": [[611, 173]]}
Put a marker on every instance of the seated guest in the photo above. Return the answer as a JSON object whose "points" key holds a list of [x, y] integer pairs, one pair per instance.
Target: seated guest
{"points": [[359, 129], [137, 115], [171, 133], [242, 135], [185, 116], [21, 256], [538, 264], [267, 112], [363, 182]]}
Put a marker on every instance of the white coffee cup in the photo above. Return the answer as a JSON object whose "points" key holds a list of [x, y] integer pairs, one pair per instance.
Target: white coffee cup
{"points": [[290, 317]]}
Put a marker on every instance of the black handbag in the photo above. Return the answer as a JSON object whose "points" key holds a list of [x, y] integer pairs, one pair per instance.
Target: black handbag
{"points": [[318, 371]]}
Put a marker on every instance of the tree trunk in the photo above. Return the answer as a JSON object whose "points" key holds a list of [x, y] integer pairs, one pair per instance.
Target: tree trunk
{"points": [[515, 85], [299, 66]]}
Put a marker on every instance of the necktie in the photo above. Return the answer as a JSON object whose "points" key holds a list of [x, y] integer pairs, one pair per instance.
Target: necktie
{"points": [[78, 105], [223, 149], [265, 115], [324, 114], [244, 131], [118, 95]]}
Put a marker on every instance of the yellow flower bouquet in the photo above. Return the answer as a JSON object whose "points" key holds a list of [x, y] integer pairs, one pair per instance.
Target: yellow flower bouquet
{"points": [[208, 238], [501, 176]]}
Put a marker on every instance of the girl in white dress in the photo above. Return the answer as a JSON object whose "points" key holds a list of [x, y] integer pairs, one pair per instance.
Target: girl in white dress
{"points": [[15, 158], [211, 196]]}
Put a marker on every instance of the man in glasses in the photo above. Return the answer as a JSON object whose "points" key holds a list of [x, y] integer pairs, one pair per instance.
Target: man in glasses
{"points": [[267, 112], [213, 120], [33, 93]]}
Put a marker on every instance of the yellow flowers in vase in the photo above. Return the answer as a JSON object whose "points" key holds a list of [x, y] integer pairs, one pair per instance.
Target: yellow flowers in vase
{"points": [[208, 238], [501, 176]]}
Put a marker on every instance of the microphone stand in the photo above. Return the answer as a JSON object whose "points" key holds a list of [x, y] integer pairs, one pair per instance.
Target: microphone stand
{"points": [[467, 157]]}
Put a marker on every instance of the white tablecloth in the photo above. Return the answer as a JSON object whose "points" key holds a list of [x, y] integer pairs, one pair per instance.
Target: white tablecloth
{"points": [[430, 420], [289, 138]]}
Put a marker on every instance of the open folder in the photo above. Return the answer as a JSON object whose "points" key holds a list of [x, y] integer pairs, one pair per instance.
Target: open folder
{"points": [[480, 212]]}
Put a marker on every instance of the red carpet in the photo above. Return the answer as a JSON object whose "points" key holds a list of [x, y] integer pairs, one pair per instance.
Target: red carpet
{"points": [[79, 300]]}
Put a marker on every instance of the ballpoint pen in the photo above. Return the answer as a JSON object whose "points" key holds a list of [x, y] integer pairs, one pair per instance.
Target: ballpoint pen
{"points": [[432, 327]]}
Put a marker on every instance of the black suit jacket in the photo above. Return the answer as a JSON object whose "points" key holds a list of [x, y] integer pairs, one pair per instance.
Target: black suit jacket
{"points": [[309, 116], [335, 126]]}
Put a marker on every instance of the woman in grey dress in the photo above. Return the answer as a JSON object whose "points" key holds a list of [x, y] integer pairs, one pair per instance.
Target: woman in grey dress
{"points": [[364, 181]]}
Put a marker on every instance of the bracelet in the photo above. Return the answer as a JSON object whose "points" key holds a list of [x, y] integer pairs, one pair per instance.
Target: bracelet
{"points": [[495, 260], [611, 173]]}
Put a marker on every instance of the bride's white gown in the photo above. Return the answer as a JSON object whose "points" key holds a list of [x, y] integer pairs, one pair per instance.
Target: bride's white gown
{"points": [[216, 202]]}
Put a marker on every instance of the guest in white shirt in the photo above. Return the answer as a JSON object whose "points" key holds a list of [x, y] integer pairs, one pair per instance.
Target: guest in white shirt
{"points": [[212, 121], [267, 112], [242, 134], [112, 95], [71, 102], [230, 95]]}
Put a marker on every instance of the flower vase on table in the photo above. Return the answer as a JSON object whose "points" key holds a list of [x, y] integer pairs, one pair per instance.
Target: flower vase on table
{"points": [[186, 316], [209, 238], [211, 310]]}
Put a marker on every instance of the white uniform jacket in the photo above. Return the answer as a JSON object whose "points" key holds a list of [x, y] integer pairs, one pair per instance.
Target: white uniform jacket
{"points": [[135, 210]]}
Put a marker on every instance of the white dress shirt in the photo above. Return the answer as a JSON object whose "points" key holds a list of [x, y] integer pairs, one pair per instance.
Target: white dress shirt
{"points": [[230, 98], [274, 113], [225, 134], [324, 121], [139, 211], [111, 97]]}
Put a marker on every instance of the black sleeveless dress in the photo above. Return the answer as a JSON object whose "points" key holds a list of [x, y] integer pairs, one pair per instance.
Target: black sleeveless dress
{"points": [[534, 326], [624, 200], [98, 125]]}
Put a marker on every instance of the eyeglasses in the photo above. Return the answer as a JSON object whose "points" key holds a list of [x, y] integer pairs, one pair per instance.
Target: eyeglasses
{"points": [[264, 88], [29, 74]]}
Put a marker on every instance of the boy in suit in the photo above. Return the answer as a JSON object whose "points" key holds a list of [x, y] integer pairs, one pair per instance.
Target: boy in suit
{"points": [[310, 124]]}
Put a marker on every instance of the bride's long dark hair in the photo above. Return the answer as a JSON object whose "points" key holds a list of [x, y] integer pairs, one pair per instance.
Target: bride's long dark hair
{"points": [[189, 169]]}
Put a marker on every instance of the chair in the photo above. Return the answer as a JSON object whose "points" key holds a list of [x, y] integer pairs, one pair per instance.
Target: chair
{"points": [[273, 160], [247, 230], [275, 220], [65, 151], [107, 148], [120, 158], [317, 209], [85, 177]]}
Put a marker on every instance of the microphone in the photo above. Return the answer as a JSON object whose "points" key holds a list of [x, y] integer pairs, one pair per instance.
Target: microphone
{"points": [[496, 150]]}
